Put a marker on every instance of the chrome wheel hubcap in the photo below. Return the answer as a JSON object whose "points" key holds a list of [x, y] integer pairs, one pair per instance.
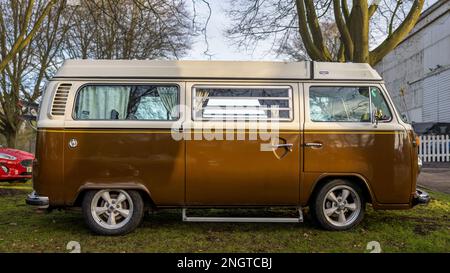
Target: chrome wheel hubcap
{"points": [[341, 206], [112, 209]]}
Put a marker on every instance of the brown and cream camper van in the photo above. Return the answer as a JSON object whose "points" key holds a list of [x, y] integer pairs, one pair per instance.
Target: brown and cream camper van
{"points": [[119, 137]]}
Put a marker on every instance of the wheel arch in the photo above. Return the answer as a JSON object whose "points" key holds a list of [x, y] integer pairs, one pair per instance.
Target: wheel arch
{"points": [[354, 178], [143, 191]]}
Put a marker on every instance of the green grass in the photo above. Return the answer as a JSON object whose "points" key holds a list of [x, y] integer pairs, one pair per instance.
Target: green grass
{"points": [[421, 229]]}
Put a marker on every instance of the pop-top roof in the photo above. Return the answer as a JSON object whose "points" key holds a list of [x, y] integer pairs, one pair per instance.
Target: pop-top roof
{"points": [[215, 70]]}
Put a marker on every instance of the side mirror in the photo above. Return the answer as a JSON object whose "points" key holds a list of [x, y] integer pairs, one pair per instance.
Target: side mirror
{"points": [[377, 116]]}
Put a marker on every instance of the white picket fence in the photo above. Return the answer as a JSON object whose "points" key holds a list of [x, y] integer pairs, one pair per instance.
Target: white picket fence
{"points": [[434, 148]]}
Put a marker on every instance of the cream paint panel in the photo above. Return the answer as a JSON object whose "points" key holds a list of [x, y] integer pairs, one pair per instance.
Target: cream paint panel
{"points": [[295, 124], [44, 119], [339, 71], [216, 70], [185, 69], [300, 103]]}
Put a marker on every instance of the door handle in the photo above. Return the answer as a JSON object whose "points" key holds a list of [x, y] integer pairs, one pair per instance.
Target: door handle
{"points": [[178, 130], [288, 146], [313, 144]]}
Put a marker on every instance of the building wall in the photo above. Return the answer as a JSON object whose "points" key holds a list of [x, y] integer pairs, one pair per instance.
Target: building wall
{"points": [[417, 72]]}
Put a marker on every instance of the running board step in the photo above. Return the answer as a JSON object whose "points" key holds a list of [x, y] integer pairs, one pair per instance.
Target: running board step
{"points": [[244, 219]]}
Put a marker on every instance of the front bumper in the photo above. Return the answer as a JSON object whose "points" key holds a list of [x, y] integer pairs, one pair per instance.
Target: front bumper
{"points": [[12, 178], [34, 199], [14, 171], [420, 197]]}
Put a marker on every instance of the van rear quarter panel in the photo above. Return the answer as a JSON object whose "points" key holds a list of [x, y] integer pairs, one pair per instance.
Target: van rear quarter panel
{"points": [[125, 156], [48, 173]]}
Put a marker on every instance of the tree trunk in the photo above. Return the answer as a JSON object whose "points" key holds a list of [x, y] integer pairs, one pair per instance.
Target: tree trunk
{"points": [[11, 138], [359, 30]]}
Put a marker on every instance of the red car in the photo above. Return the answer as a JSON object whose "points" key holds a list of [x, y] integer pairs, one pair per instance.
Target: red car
{"points": [[15, 165]]}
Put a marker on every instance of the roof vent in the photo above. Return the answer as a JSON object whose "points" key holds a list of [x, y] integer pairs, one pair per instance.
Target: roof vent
{"points": [[60, 100]]}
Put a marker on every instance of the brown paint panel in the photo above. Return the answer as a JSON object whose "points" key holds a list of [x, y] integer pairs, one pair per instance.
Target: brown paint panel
{"points": [[48, 174], [383, 159], [149, 158], [221, 172]]}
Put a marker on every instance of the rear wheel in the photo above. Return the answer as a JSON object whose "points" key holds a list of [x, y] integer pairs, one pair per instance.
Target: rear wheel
{"points": [[112, 211], [338, 205]]}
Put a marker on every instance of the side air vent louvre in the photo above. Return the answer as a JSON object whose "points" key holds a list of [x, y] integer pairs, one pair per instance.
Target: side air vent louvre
{"points": [[60, 100]]}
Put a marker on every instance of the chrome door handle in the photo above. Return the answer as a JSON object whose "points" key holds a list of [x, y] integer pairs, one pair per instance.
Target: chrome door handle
{"points": [[288, 146], [313, 144]]}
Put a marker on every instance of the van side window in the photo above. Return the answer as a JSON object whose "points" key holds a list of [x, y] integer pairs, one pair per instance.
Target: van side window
{"points": [[339, 104], [127, 102], [379, 105], [242, 103]]}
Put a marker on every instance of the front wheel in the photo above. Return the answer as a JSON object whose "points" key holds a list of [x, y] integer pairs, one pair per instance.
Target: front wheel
{"points": [[338, 205], [112, 211]]}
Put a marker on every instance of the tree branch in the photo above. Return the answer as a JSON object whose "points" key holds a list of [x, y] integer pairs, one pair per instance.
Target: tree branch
{"points": [[343, 30], [16, 46], [315, 30], [373, 7], [394, 13], [21, 43], [399, 34], [345, 11], [310, 47], [341, 53]]}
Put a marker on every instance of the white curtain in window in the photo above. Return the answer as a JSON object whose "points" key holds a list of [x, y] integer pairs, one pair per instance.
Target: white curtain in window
{"points": [[200, 97], [169, 98], [102, 102]]}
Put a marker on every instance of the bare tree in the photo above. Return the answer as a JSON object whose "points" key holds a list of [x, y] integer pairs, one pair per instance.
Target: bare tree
{"points": [[24, 76], [100, 29], [26, 30], [366, 32], [295, 49], [129, 29]]}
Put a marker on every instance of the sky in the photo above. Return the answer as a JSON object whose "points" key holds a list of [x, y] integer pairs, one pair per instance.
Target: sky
{"points": [[221, 47]]}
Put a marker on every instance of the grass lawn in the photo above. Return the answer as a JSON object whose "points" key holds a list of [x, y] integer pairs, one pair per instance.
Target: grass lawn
{"points": [[22, 229]]}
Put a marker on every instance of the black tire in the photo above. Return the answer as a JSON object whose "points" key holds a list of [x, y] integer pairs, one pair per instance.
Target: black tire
{"points": [[137, 214], [320, 203]]}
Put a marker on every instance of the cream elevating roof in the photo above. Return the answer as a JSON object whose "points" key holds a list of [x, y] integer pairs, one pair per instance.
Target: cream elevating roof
{"points": [[215, 70]]}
